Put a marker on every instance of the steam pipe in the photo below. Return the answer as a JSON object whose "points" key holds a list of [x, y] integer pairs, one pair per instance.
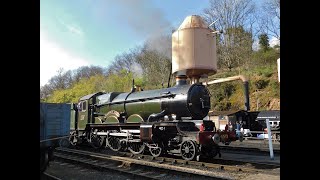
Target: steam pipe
{"points": [[158, 115], [245, 85]]}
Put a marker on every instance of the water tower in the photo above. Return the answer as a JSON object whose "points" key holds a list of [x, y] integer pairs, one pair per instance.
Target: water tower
{"points": [[194, 51]]}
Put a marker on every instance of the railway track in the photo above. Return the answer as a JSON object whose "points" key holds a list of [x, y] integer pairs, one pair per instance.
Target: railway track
{"points": [[219, 161], [148, 167], [47, 176]]}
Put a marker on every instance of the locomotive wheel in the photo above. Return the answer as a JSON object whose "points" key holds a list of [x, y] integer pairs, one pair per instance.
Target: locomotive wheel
{"points": [[113, 143], [211, 151], [136, 148], [73, 138], [188, 150], [95, 140], [155, 150]]}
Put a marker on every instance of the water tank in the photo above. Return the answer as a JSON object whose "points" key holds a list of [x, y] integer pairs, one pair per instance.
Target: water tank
{"points": [[194, 48]]}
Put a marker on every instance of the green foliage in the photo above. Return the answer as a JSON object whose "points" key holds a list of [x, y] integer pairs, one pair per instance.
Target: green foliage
{"points": [[220, 94], [235, 48], [263, 58], [121, 82], [263, 87], [275, 89], [264, 41], [83, 87], [263, 71], [223, 106], [261, 84]]}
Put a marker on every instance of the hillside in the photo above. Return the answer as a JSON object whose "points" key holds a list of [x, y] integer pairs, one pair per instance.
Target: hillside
{"points": [[264, 89]]}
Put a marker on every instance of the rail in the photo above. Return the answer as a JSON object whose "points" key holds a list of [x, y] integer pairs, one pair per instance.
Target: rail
{"points": [[51, 139], [142, 167], [46, 176], [209, 168]]}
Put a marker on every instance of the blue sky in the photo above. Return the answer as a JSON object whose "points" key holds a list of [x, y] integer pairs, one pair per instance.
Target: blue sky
{"points": [[74, 33]]}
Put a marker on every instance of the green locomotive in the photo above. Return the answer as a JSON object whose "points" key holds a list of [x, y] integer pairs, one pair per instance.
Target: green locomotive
{"points": [[163, 120]]}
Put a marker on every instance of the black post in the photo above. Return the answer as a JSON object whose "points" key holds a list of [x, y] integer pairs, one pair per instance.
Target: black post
{"points": [[170, 76], [246, 95]]}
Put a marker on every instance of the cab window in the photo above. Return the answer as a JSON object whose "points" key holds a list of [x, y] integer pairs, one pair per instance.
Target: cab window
{"points": [[79, 106], [84, 106]]}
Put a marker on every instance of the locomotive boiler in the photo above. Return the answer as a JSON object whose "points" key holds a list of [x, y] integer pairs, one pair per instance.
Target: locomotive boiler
{"points": [[168, 120], [183, 101]]}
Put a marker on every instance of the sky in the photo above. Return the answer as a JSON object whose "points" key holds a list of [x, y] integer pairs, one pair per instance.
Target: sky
{"points": [[76, 33]]}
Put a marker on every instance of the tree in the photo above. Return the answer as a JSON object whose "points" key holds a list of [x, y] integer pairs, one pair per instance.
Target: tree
{"points": [[236, 48], [66, 80], [235, 18], [83, 87], [264, 41], [150, 63], [60, 80], [45, 92], [85, 72], [270, 21], [156, 67], [230, 13], [125, 61]]}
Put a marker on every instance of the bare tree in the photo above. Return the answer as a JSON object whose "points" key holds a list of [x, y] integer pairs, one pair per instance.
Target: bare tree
{"points": [[229, 13], [236, 18], [152, 61], [59, 81], [155, 65], [270, 21], [87, 72], [126, 61], [45, 91], [123, 61]]}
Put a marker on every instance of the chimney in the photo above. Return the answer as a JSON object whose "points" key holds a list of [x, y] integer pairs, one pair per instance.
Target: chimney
{"points": [[181, 80]]}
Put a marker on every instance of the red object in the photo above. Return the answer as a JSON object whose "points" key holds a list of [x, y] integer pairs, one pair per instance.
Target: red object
{"points": [[202, 127], [205, 137]]}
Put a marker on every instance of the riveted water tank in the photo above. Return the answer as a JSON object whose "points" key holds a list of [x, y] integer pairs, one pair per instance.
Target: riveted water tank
{"points": [[194, 48]]}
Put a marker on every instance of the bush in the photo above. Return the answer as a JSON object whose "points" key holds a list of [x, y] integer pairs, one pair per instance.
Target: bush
{"points": [[261, 84], [275, 89]]}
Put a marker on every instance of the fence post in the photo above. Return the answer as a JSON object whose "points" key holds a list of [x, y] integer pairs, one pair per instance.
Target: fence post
{"points": [[270, 139]]}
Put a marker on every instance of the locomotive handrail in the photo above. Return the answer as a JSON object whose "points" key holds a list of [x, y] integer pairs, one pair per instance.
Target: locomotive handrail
{"points": [[98, 114], [137, 100]]}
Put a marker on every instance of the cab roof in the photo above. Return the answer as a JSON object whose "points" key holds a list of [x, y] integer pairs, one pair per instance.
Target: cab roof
{"points": [[86, 97]]}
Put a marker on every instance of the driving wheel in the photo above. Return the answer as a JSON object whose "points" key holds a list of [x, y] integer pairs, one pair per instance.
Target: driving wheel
{"points": [[188, 150]]}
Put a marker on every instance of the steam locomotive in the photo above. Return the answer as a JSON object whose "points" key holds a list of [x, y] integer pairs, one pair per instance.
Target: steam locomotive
{"points": [[128, 121], [168, 120]]}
